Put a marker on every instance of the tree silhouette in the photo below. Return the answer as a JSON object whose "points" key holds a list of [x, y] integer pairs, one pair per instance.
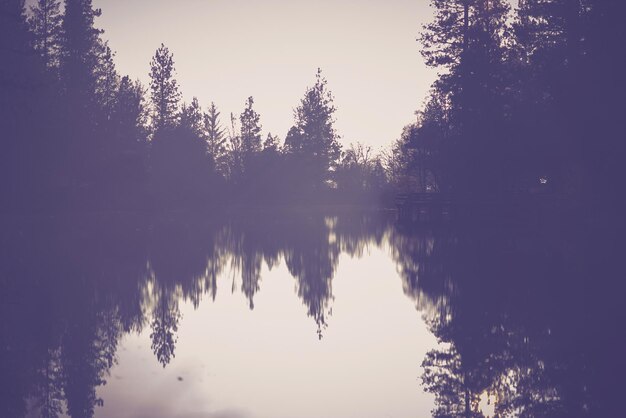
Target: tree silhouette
{"points": [[45, 24], [164, 90], [82, 48], [250, 129], [216, 139], [313, 140], [164, 326]]}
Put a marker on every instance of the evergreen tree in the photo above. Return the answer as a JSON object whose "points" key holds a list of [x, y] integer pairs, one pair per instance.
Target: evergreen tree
{"points": [[81, 52], [463, 35], [164, 90], [191, 119], [250, 129], [313, 136], [235, 152], [107, 82], [467, 39], [45, 25], [271, 143], [215, 138], [129, 114]]}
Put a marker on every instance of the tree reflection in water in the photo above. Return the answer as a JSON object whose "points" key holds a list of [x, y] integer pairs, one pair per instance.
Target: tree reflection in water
{"points": [[525, 316]]}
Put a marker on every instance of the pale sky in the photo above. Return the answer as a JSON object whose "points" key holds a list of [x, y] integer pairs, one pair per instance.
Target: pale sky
{"points": [[227, 50]]}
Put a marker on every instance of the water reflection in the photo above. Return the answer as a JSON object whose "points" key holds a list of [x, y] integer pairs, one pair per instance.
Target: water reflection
{"points": [[520, 312]]}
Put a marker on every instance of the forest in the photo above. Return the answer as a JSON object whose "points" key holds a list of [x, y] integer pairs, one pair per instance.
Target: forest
{"points": [[528, 99]]}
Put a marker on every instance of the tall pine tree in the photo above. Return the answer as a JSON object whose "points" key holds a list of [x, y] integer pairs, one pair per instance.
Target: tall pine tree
{"points": [[45, 25], [250, 129], [313, 137], [164, 90]]}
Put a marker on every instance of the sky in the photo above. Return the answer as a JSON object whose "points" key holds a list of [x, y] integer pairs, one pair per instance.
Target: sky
{"points": [[227, 50]]}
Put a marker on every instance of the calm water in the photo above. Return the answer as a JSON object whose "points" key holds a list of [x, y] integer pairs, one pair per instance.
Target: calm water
{"points": [[306, 315]]}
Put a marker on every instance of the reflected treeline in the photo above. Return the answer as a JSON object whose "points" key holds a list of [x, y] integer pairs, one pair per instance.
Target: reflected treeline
{"points": [[526, 317], [527, 322], [70, 288]]}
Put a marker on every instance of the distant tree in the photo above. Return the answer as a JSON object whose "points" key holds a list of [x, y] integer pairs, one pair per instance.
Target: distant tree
{"points": [[46, 26], [164, 90], [360, 172], [191, 118], [313, 135], [271, 143], [250, 129], [216, 139], [235, 151]]}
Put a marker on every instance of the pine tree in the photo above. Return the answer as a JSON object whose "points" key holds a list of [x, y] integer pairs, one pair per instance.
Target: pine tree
{"points": [[107, 81], [129, 114], [191, 119], [466, 39], [551, 29], [215, 138], [82, 49], [164, 89], [250, 129], [235, 152], [46, 26], [313, 135], [271, 144]]}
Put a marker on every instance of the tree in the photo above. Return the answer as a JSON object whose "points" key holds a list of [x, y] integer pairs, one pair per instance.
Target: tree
{"points": [[360, 172], [461, 31], [164, 89], [313, 136], [191, 118], [81, 52], [164, 325], [271, 143], [45, 25], [250, 129], [235, 152], [107, 82], [215, 138], [180, 163], [129, 113], [467, 39]]}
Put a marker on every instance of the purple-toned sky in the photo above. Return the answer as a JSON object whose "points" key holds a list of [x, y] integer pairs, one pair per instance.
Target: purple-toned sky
{"points": [[227, 50]]}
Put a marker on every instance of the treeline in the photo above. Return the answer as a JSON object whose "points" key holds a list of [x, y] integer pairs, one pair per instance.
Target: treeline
{"points": [[117, 275], [75, 133], [527, 98]]}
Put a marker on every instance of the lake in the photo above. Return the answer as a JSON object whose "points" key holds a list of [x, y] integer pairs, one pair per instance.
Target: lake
{"points": [[305, 314]]}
